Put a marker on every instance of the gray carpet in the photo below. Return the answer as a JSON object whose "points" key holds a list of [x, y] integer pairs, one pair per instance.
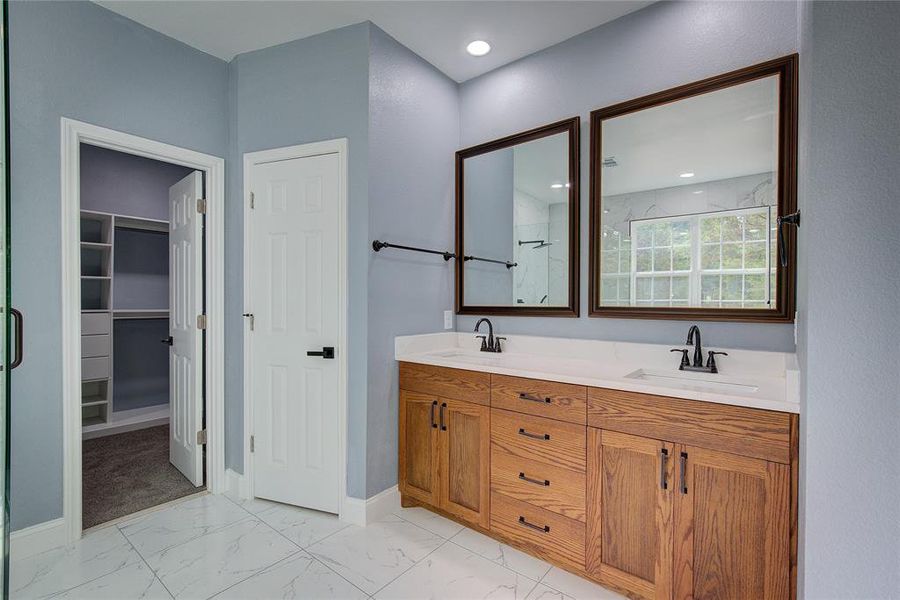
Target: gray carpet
{"points": [[128, 472]]}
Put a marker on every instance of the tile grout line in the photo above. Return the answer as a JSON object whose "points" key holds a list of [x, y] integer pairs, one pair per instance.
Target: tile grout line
{"points": [[261, 571], [301, 550], [214, 529], [69, 589], [415, 563], [152, 570], [508, 568]]}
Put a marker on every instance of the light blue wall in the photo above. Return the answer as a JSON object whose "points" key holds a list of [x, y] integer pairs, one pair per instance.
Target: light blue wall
{"points": [[489, 221], [126, 184], [304, 91], [849, 312], [661, 46], [413, 133], [75, 59]]}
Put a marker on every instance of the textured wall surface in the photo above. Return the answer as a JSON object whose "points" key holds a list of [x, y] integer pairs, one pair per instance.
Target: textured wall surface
{"points": [[125, 184], [77, 60], [309, 90], [661, 46], [413, 133], [849, 316]]}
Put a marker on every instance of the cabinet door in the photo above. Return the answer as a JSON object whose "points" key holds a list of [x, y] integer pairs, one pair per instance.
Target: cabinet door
{"points": [[419, 461], [465, 431], [732, 516], [630, 496]]}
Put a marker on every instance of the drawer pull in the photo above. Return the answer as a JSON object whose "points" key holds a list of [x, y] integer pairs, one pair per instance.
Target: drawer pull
{"points": [[545, 482], [534, 436], [533, 398], [544, 529]]}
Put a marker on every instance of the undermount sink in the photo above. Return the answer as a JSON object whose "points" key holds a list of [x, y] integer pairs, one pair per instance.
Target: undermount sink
{"points": [[701, 381]]}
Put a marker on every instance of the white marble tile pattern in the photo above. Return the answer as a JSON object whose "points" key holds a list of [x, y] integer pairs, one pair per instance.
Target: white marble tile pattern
{"points": [[500, 553], [102, 552], [577, 587], [209, 564], [371, 557], [411, 554], [179, 523], [433, 522], [300, 576], [453, 573], [301, 525], [134, 581]]}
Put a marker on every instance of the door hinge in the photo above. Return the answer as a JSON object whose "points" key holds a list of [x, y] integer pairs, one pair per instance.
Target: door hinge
{"points": [[201, 321], [201, 437], [252, 444], [201, 206], [252, 200]]}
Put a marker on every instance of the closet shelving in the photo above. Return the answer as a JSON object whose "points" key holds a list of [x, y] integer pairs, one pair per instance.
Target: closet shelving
{"points": [[99, 310]]}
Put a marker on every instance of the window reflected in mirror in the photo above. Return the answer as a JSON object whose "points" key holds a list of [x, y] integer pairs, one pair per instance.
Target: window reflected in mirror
{"points": [[688, 201]]}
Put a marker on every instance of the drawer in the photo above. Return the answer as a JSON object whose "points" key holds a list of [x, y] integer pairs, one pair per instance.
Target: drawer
{"points": [[456, 384], [94, 368], [538, 531], [561, 401], [748, 432], [548, 440], [94, 323], [549, 486], [94, 345]]}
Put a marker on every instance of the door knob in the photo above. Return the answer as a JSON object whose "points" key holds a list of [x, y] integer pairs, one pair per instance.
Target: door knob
{"points": [[327, 352], [168, 341]]}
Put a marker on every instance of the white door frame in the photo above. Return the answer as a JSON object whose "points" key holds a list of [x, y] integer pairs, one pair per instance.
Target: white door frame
{"points": [[251, 159], [74, 133]]}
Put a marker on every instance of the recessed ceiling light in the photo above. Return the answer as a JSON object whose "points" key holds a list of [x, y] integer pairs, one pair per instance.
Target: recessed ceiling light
{"points": [[686, 175], [699, 192], [478, 48]]}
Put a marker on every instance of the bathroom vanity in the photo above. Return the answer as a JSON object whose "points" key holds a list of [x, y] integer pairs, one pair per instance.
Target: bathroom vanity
{"points": [[606, 460]]}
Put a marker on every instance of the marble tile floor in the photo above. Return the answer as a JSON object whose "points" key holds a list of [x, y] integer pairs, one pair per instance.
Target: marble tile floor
{"points": [[214, 546]]}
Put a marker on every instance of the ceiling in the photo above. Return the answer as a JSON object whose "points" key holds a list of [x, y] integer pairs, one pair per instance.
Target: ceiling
{"points": [[436, 30], [728, 133]]}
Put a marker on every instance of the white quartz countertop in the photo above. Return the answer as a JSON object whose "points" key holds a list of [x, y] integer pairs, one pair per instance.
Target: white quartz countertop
{"points": [[767, 380]]}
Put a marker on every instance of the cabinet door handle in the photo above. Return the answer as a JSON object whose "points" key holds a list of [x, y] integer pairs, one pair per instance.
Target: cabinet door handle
{"points": [[683, 470], [19, 333], [534, 436], [443, 425], [663, 459], [433, 424], [533, 398], [542, 482], [544, 529]]}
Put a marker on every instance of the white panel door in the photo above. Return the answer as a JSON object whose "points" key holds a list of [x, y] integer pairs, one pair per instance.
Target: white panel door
{"points": [[185, 304], [294, 297]]}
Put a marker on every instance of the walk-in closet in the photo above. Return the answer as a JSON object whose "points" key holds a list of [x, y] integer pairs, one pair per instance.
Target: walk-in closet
{"points": [[126, 368]]}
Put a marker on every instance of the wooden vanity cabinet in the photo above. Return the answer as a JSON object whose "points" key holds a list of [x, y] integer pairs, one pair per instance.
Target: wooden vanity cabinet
{"points": [[660, 498], [689, 499], [630, 512], [732, 526], [444, 445]]}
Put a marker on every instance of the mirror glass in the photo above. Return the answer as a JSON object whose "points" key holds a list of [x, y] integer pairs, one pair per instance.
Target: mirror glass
{"points": [[689, 201], [516, 206]]}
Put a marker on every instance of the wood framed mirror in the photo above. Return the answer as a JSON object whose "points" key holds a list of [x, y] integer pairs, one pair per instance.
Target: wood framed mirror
{"points": [[517, 231], [687, 188]]}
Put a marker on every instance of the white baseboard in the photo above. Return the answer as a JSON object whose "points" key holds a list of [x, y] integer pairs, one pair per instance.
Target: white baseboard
{"points": [[362, 512], [128, 420], [237, 485], [37, 538]]}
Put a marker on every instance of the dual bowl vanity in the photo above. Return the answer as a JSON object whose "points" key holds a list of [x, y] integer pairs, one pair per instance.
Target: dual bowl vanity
{"points": [[606, 460]]}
